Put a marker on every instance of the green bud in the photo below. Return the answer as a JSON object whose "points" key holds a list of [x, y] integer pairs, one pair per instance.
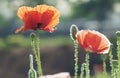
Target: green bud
{"points": [[73, 31], [32, 35], [118, 33], [32, 72]]}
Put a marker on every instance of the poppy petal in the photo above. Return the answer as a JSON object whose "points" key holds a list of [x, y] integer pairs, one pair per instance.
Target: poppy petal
{"points": [[22, 10], [50, 11], [53, 23], [55, 19], [32, 18], [81, 36], [47, 16], [19, 29], [41, 8], [93, 41], [104, 44]]}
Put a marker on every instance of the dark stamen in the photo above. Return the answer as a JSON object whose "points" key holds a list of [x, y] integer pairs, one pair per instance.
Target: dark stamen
{"points": [[38, 25]]}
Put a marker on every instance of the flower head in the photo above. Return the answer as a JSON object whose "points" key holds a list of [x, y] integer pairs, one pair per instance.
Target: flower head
{"points": [[41, 17], [93, 41]]}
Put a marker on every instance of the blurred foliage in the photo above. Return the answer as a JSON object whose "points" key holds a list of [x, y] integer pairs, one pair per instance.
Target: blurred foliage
{"points": [[18, 40], [33, 2], [22, 41], [14, 41], [92, 9], [2, 44], [55, 41]]}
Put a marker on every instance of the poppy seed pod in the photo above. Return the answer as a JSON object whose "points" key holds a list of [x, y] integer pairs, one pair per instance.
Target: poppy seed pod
{"points": [[93, 41]]}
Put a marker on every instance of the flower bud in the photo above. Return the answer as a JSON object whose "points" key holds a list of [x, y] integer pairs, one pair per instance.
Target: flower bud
{"points": [[73, 31], [32, 72], [118, 34], [32, 35]]}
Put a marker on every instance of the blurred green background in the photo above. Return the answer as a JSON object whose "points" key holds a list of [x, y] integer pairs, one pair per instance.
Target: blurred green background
{"points": [[56, 48]]}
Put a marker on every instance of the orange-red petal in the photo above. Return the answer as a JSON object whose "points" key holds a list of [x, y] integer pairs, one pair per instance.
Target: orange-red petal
{"points": [[31, 19], [93, 41], [41, 8], [22, 10], [55, 19], [81, 36], [19, 29], [47, 16], [50, 14]]}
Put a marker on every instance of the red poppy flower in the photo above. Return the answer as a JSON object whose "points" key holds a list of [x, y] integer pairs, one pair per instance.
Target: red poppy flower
{"points": [[93, 41], [41, 17]]}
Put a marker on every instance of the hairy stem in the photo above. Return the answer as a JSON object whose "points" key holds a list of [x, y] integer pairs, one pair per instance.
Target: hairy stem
{"points": [[111, 64], [76, 59], [82, 70], [104, 69], [38, 55], [35, 43], [87, 65]]}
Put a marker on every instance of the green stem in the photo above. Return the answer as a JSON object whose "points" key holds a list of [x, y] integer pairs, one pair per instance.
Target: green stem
{"points": [[76, 59], [35, 43], [38, 44], [38, 55], [87, 65], [34, 49], [118, 58], [116, 73], [32, 71], [111, 63], [82, 70], [115, 66], [118, 52], [104, 69]]}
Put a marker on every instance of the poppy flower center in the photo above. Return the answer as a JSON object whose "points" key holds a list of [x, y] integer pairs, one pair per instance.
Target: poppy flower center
{"points": [[39, 25]]}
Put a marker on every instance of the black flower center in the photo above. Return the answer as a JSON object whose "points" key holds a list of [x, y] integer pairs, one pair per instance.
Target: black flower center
{"points": [[38, 25]]}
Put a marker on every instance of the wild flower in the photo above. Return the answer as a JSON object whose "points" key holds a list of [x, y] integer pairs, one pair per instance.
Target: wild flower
{"points": [[42, 17], [73, 31], [93, 41]]}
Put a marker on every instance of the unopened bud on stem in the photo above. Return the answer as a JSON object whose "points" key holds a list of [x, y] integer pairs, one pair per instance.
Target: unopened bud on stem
{"points": [[73, 31]]}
